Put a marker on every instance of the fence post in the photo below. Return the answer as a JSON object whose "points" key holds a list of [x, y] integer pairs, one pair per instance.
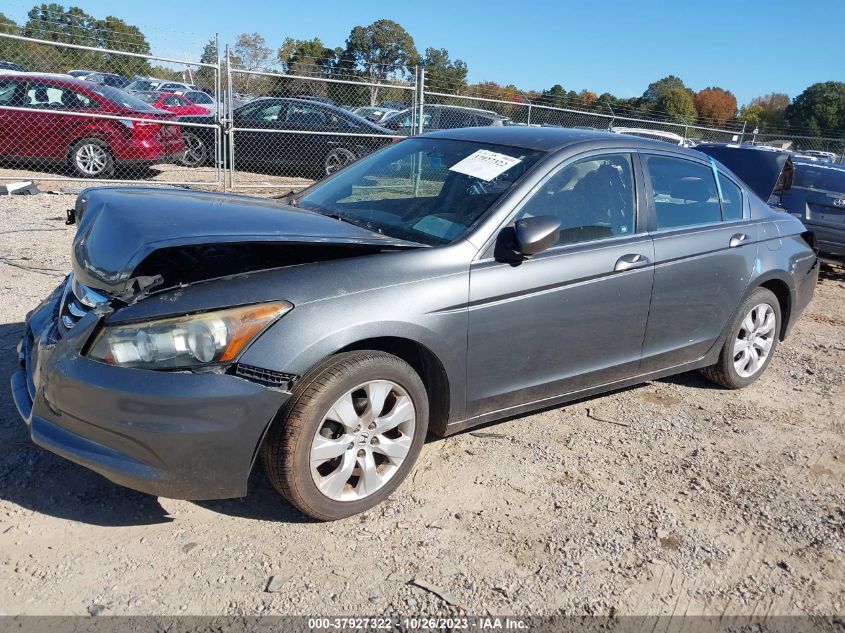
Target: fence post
{"points": [[421, 100], [742, 134], [529, 113], [218, 114], [227, 134]]}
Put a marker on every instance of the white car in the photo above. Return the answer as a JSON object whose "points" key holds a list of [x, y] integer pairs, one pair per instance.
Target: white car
{"points": [[657, 135]]}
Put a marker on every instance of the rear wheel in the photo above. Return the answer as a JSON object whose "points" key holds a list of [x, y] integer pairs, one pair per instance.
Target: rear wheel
{"points": [[337, 159], [91, 158], [196, 151], [349, 435], [750, 343]]}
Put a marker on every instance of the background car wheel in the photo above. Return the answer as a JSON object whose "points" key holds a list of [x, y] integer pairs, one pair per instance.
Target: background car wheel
{"points": [[196, 151], [349, 435], [750, 344], [337, 159], [91, 158]]}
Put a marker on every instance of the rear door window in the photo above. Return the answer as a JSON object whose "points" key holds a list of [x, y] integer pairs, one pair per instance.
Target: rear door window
{"points": [[11, 93], [684, 191]]}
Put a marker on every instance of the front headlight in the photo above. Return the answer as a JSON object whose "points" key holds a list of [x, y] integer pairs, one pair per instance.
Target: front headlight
{"points": [[196, 340]]}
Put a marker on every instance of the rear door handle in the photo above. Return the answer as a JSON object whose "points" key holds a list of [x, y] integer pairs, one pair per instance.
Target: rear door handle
{"points": [[738, 239], [631, 261]]}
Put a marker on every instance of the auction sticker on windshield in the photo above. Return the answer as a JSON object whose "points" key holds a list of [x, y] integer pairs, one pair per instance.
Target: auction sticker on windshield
{"points": [[485, 164]]}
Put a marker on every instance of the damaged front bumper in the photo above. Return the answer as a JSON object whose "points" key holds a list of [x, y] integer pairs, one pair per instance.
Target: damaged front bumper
{"points": [[182, 435]]}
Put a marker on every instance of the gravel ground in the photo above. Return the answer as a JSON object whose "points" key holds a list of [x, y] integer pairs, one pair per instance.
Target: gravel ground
{"points": [[673, 497]]}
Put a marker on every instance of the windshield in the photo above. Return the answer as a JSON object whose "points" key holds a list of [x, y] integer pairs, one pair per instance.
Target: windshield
{"points": [[199, 97], [143, 84], [124, 99], [149, 97], [819, 177], [424, 190]]}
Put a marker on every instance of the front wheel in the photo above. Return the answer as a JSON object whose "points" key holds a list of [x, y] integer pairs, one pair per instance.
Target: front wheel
{"points": [[349, 435], [750, 343]]}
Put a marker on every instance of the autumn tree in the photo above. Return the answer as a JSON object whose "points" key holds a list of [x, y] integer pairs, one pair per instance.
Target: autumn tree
{"points": [[380, 51], [715, 105], [766, 111]]}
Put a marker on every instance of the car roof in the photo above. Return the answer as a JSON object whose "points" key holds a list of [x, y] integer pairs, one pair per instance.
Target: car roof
{"points": [[550, 139], [65, 79]]}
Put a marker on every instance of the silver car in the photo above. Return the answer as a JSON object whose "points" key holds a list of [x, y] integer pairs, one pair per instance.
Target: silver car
{"points": [[446, 281]]}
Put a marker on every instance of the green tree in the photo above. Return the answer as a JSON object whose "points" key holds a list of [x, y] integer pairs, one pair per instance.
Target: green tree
{"points": [[677, 104], [380, 51], [554, 97], [115, 34], [11, 50], [820, 108], [204, 76], [657, 88], [306, 57], [443, 74]]}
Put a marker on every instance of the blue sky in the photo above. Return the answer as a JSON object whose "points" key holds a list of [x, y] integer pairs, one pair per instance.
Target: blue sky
{"points": [[750, 47]]}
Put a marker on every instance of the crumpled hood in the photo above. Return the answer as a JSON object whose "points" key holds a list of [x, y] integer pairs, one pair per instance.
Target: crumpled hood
{"points": [[120, 227]]}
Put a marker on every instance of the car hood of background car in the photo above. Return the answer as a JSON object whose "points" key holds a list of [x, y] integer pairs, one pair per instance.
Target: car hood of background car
{"points": [[128, 233]]}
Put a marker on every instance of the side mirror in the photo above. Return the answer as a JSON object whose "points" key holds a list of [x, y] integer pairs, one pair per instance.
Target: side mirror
{"points": [[536, 234]]}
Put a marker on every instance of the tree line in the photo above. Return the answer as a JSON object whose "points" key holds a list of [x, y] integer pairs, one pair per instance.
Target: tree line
{"points": [[385, 53]]}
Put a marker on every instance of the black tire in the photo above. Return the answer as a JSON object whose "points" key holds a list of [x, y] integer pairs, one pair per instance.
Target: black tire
{"points": [[337, 159], [286, 450], [91, 158], [723, 372], [196, 152]]}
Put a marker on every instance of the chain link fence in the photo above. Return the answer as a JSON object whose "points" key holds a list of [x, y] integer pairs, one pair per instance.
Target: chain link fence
{"points": [[77, 111], [292, 129]]}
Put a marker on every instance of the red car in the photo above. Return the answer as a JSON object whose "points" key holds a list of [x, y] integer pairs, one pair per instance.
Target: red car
{"points": [[172, 102], [51, 132]]}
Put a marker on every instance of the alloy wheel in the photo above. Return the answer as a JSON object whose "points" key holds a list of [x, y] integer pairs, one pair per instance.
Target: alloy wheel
{"points": [[362, 441], [194, 151], [754, 340], [91, 159], [338, 159]]}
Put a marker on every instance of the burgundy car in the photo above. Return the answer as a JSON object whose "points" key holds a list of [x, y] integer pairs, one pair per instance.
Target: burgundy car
{"points": [[50, 131], [172, 102]]}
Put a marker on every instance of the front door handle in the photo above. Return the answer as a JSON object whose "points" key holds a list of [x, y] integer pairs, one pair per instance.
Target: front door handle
{"points": [[738, 239], [631, 261]]}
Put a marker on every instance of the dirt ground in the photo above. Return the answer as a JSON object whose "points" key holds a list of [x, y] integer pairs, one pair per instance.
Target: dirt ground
{"points": [[672, 497], [60, 179]]}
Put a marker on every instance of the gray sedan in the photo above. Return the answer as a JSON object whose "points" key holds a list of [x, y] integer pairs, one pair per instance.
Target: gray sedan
{"points": [[446, 281]]}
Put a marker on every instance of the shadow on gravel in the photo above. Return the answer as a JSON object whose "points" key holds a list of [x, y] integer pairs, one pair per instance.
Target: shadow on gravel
{"points": [[693, 380], [262, 503], [37, 480], [832, 269]]}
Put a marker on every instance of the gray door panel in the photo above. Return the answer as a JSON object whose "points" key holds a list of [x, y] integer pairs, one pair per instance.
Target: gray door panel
{"points": [[699, 280], [556, 323]]}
